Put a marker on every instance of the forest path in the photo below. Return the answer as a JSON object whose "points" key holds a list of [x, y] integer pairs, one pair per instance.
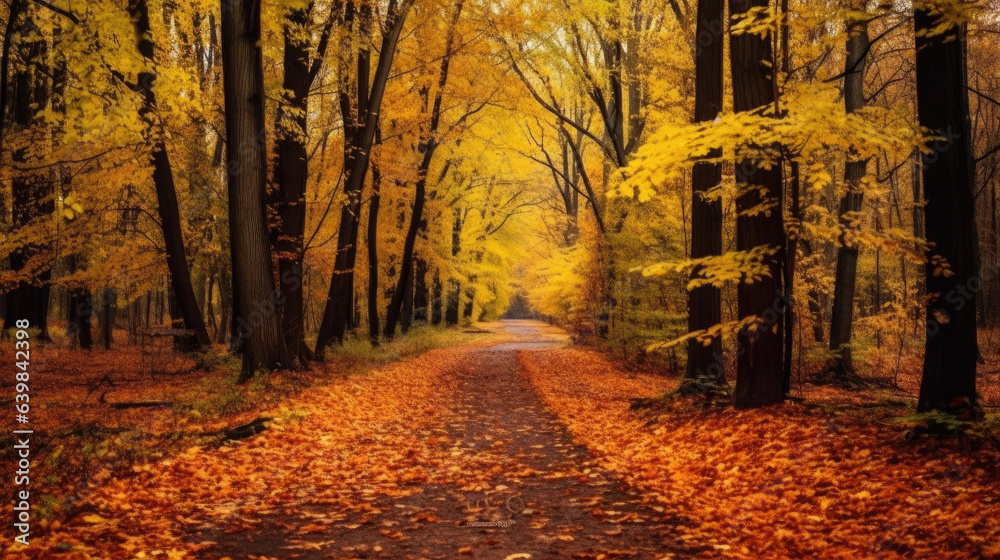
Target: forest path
{"points": [[533, 490]]}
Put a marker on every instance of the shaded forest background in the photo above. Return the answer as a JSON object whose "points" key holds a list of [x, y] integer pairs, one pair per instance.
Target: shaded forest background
{"points": [[238, 236], [655, 175]]}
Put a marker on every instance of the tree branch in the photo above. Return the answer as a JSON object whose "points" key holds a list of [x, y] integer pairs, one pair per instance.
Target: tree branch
{"points": [[65, 13]]}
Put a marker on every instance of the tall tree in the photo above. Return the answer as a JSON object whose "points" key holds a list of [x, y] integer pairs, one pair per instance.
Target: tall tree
{"points": [[704, 303], [372, 239], [292, 173], [80, 301], [454, 291], [163, 180], [259, 332], [842, 317], [81, 309], [340, 301], [759, 224], [951, 348], [32, 192], [429, 143], [15, 18]]}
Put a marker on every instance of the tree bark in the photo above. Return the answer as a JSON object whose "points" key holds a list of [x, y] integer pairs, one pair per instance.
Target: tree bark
{"points": [[428, 145], [292, 174], [951, 348], [337, 314], [163, 180], [32, 193], [759, 343], [704, 303], [372, 239], [81, 308], [452, 310], [262, 343], [842, 316]]}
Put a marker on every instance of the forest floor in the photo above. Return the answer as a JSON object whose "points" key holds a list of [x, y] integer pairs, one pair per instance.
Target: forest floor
{"points": [[517, 446]]}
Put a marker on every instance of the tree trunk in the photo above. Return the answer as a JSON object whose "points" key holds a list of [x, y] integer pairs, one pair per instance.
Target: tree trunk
{"points": [[292, 174], [15, 15], [842, 317], [406, 268], [704, 303], [337, 314], [453, 303], [428, 145], [163, 180], [409, 303], [454, 292], [470, 302], [437, 299], [108, 308], [32, 193], [225, 302], [81, 309], [759, 343], [260, 334], [372, 239], [949, 376], [791, 260], [918, 228], [791, 242], [813, 301]]}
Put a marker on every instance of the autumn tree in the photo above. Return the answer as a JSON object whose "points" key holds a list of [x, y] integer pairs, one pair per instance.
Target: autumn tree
{"points": [[601, 55], [32, 191], [260, 339], [81, 302], [565, 172], [163, 180], [842, 316], [374, 205], [759, 224], [704, 302], [429, 143], [359, 135], [952, 273], [292, 171]]}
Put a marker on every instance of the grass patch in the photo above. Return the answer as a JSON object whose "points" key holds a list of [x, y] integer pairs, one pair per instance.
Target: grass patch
{"points": [[358, 355], [219, 394]]}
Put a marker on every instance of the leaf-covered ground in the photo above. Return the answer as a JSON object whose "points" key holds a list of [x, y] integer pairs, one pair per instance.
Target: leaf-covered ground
{"points": [[98, 414], [791, 481], [529, 449]]}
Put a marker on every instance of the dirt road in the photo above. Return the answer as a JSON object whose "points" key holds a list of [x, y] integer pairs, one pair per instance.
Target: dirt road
{"points": [[544, 496]]}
